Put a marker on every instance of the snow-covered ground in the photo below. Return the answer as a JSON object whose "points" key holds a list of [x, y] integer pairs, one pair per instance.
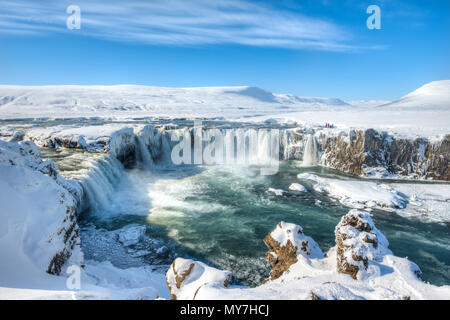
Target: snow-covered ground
{"points": [[424, 112], [358, 194], [427, 201]]}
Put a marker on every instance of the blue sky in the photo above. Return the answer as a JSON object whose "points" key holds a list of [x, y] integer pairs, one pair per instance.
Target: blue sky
{"points": [[304, 47]]}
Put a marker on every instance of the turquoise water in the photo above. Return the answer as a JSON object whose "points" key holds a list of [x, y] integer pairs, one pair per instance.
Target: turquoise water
{"points": [[221, 216]]}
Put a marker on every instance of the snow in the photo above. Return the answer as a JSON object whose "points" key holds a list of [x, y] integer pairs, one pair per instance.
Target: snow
{"points": [[297, 187], [435, 95], [125, 101], [426, 201], [358, 194], [33, 211], [277, 192], [186, 276], [289, 232]]}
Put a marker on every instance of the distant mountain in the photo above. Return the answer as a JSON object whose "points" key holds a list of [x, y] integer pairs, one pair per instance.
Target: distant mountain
{"points": [[434, 95], [135, 101]]}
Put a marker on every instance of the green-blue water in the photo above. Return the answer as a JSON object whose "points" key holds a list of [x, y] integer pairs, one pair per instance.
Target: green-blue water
{"points": [[221, 216]]}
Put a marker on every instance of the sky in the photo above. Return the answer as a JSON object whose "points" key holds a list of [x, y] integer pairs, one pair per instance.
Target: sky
{"points": [[317, 48]]}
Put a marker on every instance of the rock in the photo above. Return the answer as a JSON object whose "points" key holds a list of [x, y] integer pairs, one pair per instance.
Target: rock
{"points": [[364, 152], [186, 277], [358, 241], [131, 234], [286, 242]]}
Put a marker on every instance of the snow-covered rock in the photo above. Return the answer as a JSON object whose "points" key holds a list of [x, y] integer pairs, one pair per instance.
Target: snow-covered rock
{"points": [[186, 277], [358, 241], [286, 242]]}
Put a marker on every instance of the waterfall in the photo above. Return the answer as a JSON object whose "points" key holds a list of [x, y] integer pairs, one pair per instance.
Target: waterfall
{"points": [[142, 153], [99, 183], [310, 154]]}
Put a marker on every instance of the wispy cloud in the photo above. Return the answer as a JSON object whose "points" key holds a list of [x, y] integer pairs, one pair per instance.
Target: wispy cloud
{"points": [[178, 22]]}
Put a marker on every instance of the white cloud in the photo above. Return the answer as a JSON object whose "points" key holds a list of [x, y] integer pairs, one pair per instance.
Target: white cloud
{"points": [[178, 22]]}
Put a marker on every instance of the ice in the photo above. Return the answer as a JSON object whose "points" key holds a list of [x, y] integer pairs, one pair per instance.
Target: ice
{"points": [[277, 192], [131, 234], [297, 187], [358, 194]]}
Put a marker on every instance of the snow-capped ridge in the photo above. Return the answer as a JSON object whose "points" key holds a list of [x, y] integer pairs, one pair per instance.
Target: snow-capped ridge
{"points": [[434, 94]]}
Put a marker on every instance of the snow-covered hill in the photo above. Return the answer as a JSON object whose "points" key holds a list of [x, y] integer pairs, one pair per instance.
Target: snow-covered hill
{"points": [[435, 95], [135, 101]]}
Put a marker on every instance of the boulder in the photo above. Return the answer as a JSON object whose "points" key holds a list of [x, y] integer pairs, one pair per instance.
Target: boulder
{"points": [[358, 241], [286, 243]]}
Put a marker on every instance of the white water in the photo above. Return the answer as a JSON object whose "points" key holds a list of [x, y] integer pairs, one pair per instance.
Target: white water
{"points": [[143, 154], [100, 182], [310, 155]]}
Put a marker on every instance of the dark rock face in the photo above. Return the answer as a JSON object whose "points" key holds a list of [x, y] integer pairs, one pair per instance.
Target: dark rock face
{"points": [[70, 235], [361, 151]]}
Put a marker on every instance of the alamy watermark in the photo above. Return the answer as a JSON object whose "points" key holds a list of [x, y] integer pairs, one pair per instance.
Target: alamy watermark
{"points": [[73, 282], [374, 20], [74, 20]]}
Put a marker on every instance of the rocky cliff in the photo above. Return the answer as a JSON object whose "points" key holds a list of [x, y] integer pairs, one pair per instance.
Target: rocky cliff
{"points": [[372, 153]]}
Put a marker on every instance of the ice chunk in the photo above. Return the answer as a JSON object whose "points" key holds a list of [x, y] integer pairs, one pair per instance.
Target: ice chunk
{"points": [[131, 234]]}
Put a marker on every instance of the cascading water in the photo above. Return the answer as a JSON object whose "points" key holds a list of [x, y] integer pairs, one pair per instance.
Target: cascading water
{"points": [[143, 154], [310, 155], [100, 182]]}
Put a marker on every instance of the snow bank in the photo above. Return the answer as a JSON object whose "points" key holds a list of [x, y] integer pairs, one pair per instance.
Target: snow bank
{"points": [[358, 194], [185, 277], [38, 229]]}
